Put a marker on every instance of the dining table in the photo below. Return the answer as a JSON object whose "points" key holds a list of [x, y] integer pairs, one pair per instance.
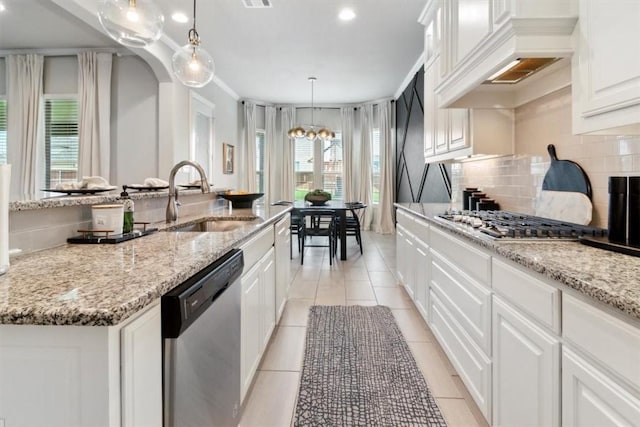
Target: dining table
{"points": [[340, 209]]}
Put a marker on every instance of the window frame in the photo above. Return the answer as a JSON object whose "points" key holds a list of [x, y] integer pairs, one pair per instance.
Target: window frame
{"points": [[318, 170]]}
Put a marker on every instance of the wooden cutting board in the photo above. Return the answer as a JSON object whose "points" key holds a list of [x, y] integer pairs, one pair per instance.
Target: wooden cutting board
{"points": [[566, 192]]}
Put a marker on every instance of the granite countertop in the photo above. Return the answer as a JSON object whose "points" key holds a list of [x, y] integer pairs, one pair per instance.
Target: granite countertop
{"points": [[103, 284], [58, 201], [608, 277]]}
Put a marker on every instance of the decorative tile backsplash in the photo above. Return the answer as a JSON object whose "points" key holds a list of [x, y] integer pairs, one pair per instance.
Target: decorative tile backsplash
{"points": [[515, 181]]}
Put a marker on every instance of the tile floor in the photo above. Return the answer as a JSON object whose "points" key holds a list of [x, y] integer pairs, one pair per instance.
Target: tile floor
{"points": [[367, 279]]}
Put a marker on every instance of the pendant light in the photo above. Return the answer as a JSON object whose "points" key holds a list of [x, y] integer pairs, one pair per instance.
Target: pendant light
{"points": [[300, 132], [133, 23], [191, 64]]}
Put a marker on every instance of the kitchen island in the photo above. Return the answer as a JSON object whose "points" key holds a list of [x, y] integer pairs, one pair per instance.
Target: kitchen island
{"points": [[541, 332], [80, 323]]}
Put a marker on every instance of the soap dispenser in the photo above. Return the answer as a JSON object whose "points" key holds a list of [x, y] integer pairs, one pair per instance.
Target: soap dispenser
{"points": [[128, 208]]}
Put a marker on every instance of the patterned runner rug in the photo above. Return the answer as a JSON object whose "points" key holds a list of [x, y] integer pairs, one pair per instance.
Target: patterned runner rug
{"points": [[358, 371]]}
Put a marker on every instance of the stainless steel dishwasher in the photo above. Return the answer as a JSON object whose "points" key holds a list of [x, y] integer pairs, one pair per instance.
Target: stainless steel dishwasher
{"points": [[201, 339]]}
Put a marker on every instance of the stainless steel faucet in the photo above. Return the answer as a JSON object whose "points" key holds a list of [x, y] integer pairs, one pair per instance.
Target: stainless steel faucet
{"points": [[172, 206]]}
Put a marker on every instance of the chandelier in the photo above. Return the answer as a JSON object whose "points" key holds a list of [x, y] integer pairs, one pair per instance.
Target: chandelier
{"points": [[191, 64], [311, 134], [134, 23]]}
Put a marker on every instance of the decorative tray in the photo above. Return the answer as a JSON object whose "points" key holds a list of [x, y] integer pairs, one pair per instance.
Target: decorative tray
{"points": [[604, 243], [87, 237], [80, 190], [141, 187]]}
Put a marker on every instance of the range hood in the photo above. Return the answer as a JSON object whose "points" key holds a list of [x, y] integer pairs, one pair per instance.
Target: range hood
{"points": [[508, 59]]}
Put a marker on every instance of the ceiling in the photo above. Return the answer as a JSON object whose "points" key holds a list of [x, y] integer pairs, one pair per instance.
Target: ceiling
{"points": [[265, 54]]}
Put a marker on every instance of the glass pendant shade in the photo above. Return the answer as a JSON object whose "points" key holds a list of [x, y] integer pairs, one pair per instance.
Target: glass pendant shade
{"points": [[133, 23], [192, 65]]}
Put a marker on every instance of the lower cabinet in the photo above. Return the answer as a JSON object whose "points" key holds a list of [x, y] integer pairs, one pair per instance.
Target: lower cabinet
{"points": [[473, 366], [529, 351], [422, 265], [591, 398], [83, 375], [282, 237], [526, 370], [258, 315]]}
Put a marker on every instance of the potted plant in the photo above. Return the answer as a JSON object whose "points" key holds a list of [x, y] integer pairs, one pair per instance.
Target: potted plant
{"points": [[317, 197]]}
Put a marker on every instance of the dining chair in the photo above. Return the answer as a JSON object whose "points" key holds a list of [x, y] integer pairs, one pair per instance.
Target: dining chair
{"points": [[321, 224], [352, 224]]}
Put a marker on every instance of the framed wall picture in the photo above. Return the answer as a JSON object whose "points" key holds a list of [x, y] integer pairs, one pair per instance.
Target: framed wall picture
{"points": [[227, 158]]}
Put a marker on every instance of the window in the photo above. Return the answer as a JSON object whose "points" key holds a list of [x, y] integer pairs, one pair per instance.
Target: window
{"points": [[61, 141], [326, 174], [332, 167], [3, 131], [375, 167], [260, 156]]}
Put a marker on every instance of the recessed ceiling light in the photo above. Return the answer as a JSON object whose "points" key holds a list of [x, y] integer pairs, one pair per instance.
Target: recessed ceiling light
{"points": [[347, 14], [180, 17], [2, 7]]}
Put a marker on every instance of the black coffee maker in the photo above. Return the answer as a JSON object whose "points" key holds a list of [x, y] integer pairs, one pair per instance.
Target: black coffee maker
{"points": [[624, 210]]}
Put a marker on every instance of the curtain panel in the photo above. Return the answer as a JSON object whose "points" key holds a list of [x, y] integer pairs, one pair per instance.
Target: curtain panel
{"points": [[347, 116], [385, 214], [271, 146], [287, 183], [23, 123], [94, 114], [364, 191], [249, 137]]}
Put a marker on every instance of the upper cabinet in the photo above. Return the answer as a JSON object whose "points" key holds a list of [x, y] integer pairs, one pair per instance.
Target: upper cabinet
{"points": [[482, 37], [606, 67]]}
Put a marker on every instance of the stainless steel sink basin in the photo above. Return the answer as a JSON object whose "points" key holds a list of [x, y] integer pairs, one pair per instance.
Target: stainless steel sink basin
{"points": [[215, 225]]}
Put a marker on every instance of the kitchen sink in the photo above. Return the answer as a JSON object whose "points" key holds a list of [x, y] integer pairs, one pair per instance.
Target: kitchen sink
{"points": [[215, 225]]}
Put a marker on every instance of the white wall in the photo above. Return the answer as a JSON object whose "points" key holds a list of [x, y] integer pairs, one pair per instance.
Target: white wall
{"points": [[135, 126], [134, 121]]}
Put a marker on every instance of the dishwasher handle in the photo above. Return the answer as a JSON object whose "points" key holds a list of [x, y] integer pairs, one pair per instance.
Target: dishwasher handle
{"points": [[182, 305]]}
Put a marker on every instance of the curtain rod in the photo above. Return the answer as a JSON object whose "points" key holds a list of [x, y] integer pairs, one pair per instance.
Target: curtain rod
{"points": [[307, 107]]}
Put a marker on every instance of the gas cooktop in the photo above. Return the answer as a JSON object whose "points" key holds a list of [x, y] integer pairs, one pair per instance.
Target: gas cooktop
{"points": [[507, 225]]}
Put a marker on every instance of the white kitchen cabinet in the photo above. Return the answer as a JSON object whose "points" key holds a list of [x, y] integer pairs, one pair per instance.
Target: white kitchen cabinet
{"points": [[606, 68], [282, 236], [83, 375], [141, 349], [526, 370], [268, 283], [401, 251], [258, 315], [422, 263], [251, 326], [590, 398], [461, 132], [412, 255], [473, 366]]}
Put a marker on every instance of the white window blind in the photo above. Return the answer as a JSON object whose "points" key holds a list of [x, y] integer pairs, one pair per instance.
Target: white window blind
{"points": [[375, 167], [61, 141], [3, 131], [260, 155]]}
